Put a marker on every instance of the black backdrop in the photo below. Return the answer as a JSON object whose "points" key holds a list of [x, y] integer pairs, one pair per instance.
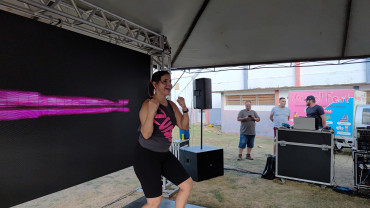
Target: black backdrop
{"points": [[44, 155]]}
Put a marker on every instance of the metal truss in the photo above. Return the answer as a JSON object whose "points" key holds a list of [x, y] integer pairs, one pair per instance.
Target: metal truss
{"points": [[161, 62], [88, 19]]}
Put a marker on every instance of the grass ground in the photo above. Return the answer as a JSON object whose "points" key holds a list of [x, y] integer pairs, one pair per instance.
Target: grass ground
{"points": [[236, 189], [233, 190]]}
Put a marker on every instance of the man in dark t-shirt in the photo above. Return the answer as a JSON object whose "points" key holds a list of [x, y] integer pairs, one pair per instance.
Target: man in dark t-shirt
{"points": [[315, 111], [248, 119]]}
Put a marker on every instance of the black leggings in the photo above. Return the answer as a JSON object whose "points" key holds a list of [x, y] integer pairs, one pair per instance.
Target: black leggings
{"points": [[149, 166]]}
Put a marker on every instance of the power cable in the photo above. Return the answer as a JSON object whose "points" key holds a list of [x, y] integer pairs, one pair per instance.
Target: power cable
{"points": [[243, 171], [122, 197]]}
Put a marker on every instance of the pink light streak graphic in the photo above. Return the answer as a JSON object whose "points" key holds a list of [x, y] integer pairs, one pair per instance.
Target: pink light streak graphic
{"points": [[15, 105]]}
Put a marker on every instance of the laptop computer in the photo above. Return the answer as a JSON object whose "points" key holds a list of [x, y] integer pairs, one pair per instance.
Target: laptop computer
{"points": [[304, 123]]}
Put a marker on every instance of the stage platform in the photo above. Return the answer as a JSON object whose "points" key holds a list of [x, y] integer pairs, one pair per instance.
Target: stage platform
{"points": [[164, 204]]}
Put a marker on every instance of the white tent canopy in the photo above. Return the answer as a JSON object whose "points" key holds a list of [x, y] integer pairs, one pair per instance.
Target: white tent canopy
{"points": [[210, 33], [238, 32]]}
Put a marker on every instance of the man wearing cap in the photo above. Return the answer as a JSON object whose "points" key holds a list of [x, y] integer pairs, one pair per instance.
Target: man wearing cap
{"points": [[315, 111]]}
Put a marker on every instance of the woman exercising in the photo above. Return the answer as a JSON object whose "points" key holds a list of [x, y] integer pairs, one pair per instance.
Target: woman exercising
{"points": [[158, 116]]}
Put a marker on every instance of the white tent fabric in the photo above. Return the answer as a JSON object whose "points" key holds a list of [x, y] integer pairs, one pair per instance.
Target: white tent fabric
{"points": [[241, 32]]}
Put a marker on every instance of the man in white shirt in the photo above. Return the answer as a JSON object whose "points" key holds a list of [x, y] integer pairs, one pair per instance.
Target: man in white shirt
{"points": [[279, 115]]}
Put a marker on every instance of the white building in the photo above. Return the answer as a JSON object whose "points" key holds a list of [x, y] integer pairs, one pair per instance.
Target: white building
{"points": [[265, 86]]}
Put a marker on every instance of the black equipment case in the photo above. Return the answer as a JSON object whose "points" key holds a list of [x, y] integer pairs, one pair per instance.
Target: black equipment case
{"points": [[305, 155]]}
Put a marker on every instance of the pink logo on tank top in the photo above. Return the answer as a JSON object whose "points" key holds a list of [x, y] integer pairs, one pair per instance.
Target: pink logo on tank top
{"points": [[166, 126]]}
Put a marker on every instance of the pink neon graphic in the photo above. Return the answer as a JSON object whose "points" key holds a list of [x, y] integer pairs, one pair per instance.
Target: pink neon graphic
{"points": [[15, 105], [166, 126]]}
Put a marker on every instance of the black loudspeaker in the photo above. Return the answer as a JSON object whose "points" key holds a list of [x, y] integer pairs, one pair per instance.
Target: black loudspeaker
{"points": [[202, 164], [202, 93]]}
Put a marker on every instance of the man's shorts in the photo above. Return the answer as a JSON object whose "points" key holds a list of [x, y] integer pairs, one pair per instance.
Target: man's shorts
{"points": [[246, 140]]}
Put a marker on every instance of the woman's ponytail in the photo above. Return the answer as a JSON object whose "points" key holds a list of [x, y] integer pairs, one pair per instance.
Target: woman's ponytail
{"points": [[151, 89]]}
